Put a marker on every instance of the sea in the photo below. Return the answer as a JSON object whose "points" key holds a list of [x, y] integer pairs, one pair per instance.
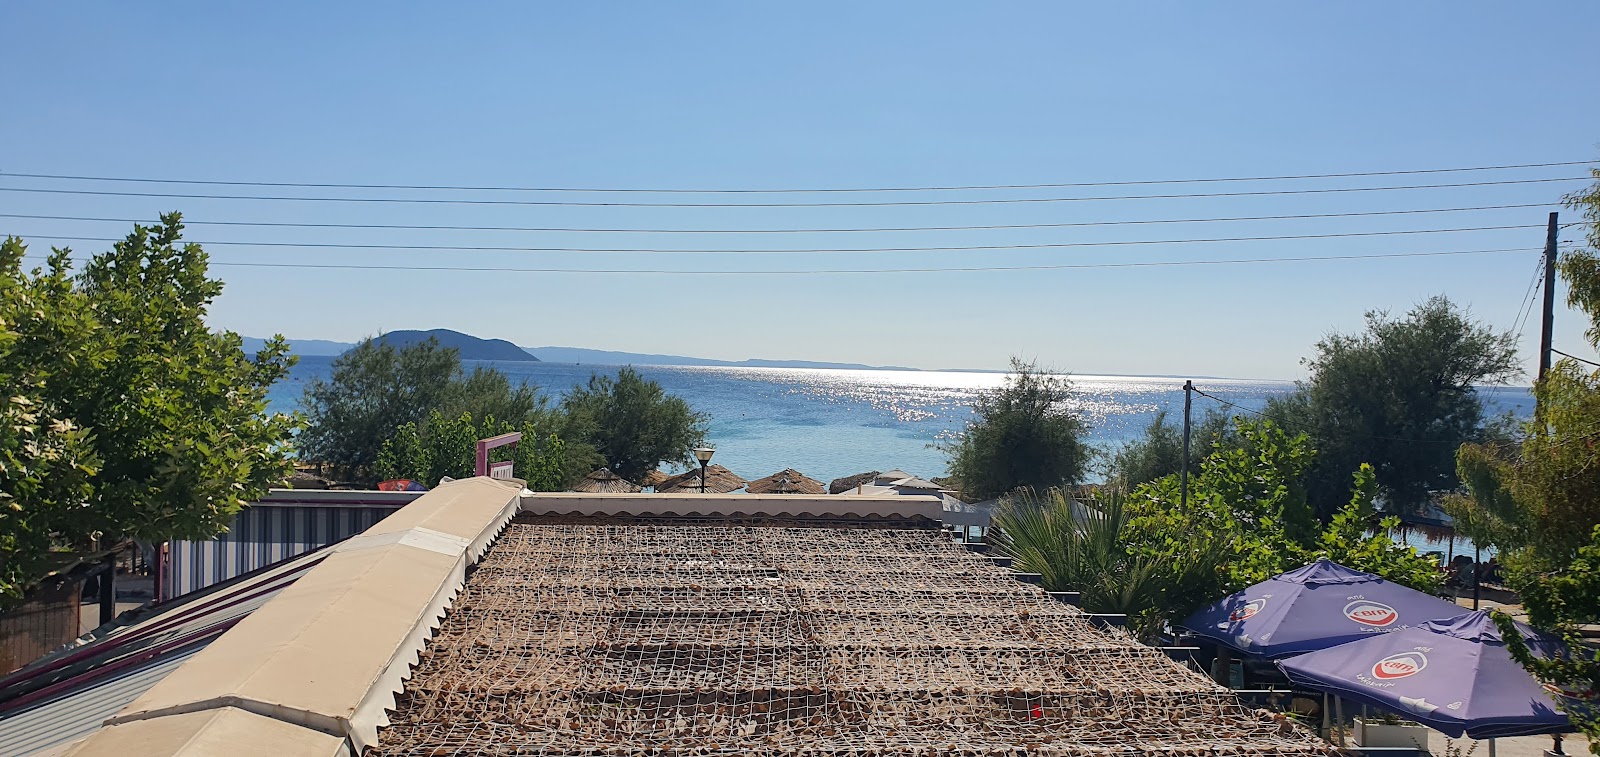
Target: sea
{"points": [[833, 423]]}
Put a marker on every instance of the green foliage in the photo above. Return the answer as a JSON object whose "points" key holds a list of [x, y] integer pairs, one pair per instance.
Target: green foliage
{"points": [[1025, 434], [375, 389], [1247, 519], [1562, 600], [1539, 502], [124, 416], [1081, 546], [446, 446], [1158, 452], [1399, 396], [631, 425]]}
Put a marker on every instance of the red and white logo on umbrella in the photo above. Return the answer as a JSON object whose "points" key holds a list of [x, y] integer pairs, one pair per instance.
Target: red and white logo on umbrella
{"points": [[1248, 610], [1370, 613], [1399, 665]]}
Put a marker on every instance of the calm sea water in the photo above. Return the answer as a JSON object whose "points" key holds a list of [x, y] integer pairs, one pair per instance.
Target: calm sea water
{"points": [[833, 423]]}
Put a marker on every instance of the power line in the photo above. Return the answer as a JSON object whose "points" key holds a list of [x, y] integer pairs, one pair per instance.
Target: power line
{"points": [[792, 250], [894, 203], [1575, 357], [817, 272], [412, 227], [310, 185], [1286, 423]]}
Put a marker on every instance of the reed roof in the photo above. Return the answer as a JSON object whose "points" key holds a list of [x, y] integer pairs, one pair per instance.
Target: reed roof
{"points": [[842, 485], [719, 480], [604, 481], [786, 481]]}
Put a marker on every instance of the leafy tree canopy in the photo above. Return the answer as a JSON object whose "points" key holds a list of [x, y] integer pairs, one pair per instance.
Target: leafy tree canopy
{"points": [[376, 388], [446, 446], [1026, 433], [631, 424], [1144, 554], [1158, 451], [122, 415], [1399, 396], [1539, 501]]}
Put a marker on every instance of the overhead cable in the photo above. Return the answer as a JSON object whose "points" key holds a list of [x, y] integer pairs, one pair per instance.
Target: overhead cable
{"points": [[317, 185], [1287, 423], [811, 250], [820, 272], [886, 203], [1575, 357], [563, 229]]}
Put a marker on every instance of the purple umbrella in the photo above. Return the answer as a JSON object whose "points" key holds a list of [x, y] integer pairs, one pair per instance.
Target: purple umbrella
{"points": [[1321, 605], [1451, 675]]}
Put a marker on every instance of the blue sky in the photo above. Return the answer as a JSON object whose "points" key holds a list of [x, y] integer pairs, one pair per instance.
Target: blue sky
{"points": [[751, 95]]}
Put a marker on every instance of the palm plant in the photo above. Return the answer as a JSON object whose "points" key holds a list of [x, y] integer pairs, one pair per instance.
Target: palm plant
{"points": [[1086, 547]]}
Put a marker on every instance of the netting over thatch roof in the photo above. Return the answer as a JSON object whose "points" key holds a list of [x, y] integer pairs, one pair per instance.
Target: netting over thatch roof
{"points": [[701, 636], [719, 480], [842, 485], [786, 481], [604, 481]]}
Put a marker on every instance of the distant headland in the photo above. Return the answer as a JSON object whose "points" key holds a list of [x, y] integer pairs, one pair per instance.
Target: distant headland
{"points": [[476, 348]]}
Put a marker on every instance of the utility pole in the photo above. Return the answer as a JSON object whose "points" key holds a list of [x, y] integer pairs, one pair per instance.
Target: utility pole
{"points": [[1188, 401], [1549, 296]]}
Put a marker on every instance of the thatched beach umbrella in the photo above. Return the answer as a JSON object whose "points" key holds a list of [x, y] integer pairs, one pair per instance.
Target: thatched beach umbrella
{"points": [[719, 480], [786, 481], [842, 485], [653, 478], [604, 481]]}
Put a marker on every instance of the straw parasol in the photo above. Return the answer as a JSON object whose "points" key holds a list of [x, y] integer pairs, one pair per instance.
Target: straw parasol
{"points": [[603, 481], [842, 485], [653, 478], [786, 481], [719, 480]]}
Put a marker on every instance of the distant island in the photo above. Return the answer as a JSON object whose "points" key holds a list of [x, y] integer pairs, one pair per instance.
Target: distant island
{"points": [[475, 348], [470, 347]]}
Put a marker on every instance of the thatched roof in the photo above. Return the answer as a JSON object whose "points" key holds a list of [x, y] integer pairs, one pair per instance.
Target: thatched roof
{"points": [[604, 481], [653, 478], [786, 481], [842, 485], [719, 480]]}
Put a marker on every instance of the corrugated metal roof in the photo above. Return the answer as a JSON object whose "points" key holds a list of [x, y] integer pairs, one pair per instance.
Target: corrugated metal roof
{"points": [[81, 712], [69, 694]]}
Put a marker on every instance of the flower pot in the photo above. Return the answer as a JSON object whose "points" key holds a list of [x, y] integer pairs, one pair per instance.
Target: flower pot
{"points": [[1380, 734]]}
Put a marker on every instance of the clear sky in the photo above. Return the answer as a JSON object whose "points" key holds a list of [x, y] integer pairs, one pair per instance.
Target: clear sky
{"points": [[807, 95]]}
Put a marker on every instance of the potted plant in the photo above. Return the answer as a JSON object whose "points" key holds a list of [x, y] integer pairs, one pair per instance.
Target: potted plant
{"points": [[1386, 730]]}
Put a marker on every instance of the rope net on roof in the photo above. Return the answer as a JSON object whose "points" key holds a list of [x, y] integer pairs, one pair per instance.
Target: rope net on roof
{"points": [[678, 637]]}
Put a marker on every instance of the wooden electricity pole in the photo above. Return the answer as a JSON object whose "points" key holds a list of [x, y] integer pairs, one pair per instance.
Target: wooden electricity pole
{"points": [[1188, 398], [1549, 297]]}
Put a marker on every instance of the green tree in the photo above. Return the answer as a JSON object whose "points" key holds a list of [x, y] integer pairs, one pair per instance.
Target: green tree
{"points": [[126, 416], [376, 388], [1024, 434], [1400, 396], [1538, 502], [631, 424], [447, 446], [1158, 451], [1147, 555], [1084, 547]]}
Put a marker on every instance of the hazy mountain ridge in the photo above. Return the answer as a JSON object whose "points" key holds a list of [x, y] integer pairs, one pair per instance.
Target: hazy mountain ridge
{"points": [[475, 348]]}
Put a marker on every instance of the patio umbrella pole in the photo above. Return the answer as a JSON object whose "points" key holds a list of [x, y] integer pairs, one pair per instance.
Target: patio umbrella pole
{"points": [[1327, 732], [1338, 716]]}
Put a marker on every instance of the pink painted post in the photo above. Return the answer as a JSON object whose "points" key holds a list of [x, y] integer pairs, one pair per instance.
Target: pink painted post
{"points": [[484, 445]]}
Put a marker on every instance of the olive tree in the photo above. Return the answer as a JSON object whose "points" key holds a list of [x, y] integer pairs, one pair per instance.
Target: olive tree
{"points": [[1025, 433], [1400, 396], [630, 424]]}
